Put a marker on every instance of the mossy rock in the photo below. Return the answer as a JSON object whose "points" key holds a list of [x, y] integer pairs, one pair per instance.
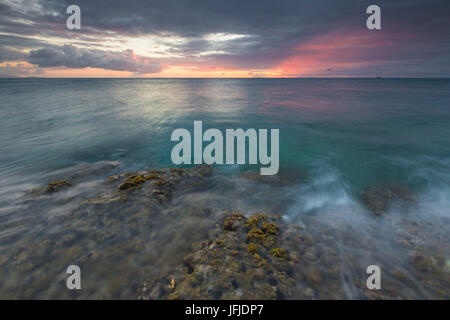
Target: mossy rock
{"points": [[231, 222], [423, 263], [256, 235], [152, 176], [257, 257], [270, 228], [228, 224], [238, 215], [380, 198], [236, 263], [157, 171], [254, 220], [132, 182], [159, 183], [279, 253], [252, 248], [57, 185]]}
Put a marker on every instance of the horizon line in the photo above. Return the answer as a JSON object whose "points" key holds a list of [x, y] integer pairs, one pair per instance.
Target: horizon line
{"points": [[222, 78]]}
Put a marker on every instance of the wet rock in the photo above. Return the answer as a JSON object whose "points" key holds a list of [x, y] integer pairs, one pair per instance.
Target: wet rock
{"points": [[153, 289], [260, 231], [199, 171], [233, 222], [313, 276], [380, 199], [152, 176], [178, 170], [255, 220], [280, 253], [257, 177], [375, 295], [57, 186], [256, 235], [231, 267], [270, 228], [252, 248], [423, 262], [161, 182], [229, 224], [256, 257], [132, 182], [69, 177], [280, 179]]}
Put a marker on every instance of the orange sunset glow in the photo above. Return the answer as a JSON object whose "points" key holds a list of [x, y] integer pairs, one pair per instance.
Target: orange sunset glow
{"points": [[260, 40]]}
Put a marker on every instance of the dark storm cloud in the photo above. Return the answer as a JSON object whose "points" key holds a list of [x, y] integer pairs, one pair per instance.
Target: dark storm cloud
{"points": [[11, 46], [72, 57], [286, 19], [276, 27], [19, 42], [7, 54]]}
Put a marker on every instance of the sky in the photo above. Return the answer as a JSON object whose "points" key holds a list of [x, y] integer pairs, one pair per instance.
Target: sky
{"points": [[224, 39]]}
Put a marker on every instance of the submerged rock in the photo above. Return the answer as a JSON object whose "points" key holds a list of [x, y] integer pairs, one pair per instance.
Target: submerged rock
{"points": [[132, 182], [192, 247], [58, 185], [423, 262], [199, 171], [233, 266], [280, 179], [51, 187], [270, 228], [158, 184], [279, 253], [380, 199]]}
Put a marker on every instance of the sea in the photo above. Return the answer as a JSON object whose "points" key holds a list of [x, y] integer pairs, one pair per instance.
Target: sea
{"points": [[338, 138]]}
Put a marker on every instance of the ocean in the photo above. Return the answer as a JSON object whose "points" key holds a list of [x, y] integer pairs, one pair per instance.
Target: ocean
{"points": [[346, 145]]}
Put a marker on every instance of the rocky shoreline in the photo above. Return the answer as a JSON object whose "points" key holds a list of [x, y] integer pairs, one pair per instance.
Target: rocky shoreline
{"points": [[145, 240]]}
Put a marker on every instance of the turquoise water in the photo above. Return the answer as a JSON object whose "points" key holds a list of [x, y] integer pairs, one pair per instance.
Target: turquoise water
{"points": [[368, 131], [338, 137]]}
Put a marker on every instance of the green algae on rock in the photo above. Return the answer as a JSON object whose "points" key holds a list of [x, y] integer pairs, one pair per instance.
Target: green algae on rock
{"points": [[253, 248], [279, 253], [225, 268], [132, 182], [232, 222], [270, 228], [255, 220], [152, 176], [256, 235], [261, 231]]}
